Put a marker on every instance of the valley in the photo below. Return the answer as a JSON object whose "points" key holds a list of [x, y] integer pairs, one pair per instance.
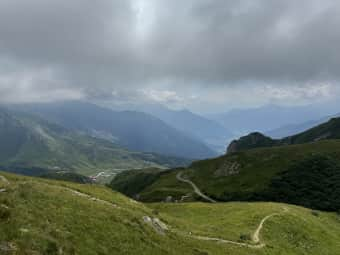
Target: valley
{"points": [[147, 127], [31, 145], [264, 196]]}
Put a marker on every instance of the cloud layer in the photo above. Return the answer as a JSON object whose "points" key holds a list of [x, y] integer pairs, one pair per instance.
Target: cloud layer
{"points": [[183, 52]]}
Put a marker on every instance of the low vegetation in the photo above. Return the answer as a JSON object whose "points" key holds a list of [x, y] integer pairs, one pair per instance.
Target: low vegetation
{"points": [[39, 216], [313, 182], [260, 175], [67, 176], [132, 182]]}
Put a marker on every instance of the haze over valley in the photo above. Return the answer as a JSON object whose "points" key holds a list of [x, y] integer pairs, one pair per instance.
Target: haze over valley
{"points": [[169, 127]]}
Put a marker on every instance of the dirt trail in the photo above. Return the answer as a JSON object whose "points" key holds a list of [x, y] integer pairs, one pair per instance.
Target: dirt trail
{"points": [[196, 189], [160, 227], [4, 180], [255, 238], [256, 235], [156, 223], [80, 194], [257, 242]]}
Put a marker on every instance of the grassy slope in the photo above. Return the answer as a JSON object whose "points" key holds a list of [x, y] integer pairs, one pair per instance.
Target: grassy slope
{"points": [[133, 130], [166, 185], [297, 231], [44, 217], [256, 169], [327, 130], [32, 142], [131, 182]]}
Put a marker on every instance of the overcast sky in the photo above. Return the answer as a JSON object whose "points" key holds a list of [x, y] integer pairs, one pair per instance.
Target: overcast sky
{"points": [[205, 55]]}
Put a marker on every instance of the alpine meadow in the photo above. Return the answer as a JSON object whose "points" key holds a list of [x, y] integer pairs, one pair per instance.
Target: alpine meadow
{"points": [[154, 127]]}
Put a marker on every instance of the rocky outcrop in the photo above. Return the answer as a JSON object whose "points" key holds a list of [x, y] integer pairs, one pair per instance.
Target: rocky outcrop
{"points": [[159, 226], [228, 168], [251, 141]]}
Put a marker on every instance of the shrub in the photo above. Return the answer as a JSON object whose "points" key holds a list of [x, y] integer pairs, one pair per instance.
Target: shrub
{"points": [[5, 213], [315, 213], [52, 248], [245, 237], [312, 182]]}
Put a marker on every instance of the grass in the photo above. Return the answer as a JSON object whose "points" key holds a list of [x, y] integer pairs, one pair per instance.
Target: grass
{"points": [[47, 218], [256, 169], [39, 216], [166, 185], [297, 231]]}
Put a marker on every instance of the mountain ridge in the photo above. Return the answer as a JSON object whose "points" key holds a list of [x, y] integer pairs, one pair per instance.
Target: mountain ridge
{"points": [[134, 130], [31, 144], [258, 168], [209, 131], [327, 130]]}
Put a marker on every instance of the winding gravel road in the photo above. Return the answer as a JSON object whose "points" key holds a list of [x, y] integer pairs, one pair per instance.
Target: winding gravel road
{"points": [[196, 189]]}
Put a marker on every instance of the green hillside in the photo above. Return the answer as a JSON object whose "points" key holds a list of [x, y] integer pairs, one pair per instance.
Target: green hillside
{"points": [[325, 131], [30, 144], [67, 176], [39, 216], [251, 175], [133, 130], [132, 182]]}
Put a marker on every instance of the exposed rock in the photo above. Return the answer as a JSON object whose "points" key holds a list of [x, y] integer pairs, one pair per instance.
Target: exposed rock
{"points": [[322, 137], [137, 197], [159, 226], [250, 141], [228, 168], [3, 180], [24, 230], [4, 206], [8, 247], [169, 199], [186, 197]]}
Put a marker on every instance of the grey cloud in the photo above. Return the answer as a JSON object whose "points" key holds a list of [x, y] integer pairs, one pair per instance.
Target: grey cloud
{"points": [[245, 40], [96, 47]]}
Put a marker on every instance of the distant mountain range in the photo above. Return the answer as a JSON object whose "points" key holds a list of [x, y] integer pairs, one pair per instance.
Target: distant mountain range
{"points": [[34, 146], [289, 130], [134, 130], [212, 133], [283, 121]]}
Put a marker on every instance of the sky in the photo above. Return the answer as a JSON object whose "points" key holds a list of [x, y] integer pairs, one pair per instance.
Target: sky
{"points": [[203, 55]]}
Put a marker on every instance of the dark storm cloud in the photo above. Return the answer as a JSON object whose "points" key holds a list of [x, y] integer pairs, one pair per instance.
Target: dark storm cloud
{"points": [[96, 48]]}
